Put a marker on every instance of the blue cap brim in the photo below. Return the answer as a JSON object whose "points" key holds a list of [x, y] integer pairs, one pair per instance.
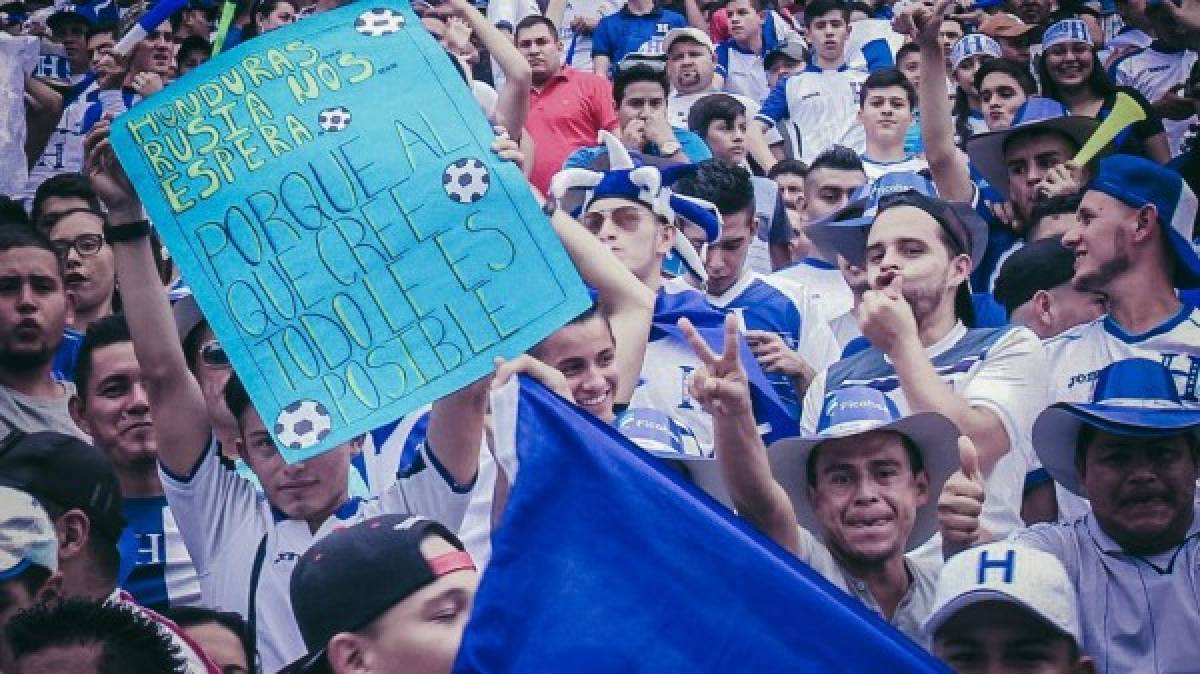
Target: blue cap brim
{"points": [[1057, 429]]}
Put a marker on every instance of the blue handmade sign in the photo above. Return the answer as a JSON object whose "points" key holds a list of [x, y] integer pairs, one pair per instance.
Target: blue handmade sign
{"points": [[329, 193]]}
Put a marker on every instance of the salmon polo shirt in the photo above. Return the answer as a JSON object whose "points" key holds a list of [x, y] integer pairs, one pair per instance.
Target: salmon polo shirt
{"points": [[565, 114]]}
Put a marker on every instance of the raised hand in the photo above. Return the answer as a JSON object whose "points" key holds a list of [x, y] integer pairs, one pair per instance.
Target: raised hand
{"points": [[885, 317], [106, 175], [721, 386], [1060, 180], [961, 501]]}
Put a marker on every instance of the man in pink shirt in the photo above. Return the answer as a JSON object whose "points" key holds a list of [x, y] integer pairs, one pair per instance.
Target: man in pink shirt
{"points": [[567, 108]]}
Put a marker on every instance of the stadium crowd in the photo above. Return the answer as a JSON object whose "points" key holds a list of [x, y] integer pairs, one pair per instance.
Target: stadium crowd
{"points": [[953, 368]]}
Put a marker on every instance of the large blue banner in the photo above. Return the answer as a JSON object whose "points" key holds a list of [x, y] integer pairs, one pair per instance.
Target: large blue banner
{"points": [[329, 194], [607, 560]]}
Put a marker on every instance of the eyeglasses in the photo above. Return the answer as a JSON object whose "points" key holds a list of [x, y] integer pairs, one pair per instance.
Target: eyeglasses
{"points": [[86, 245], [628, 218], [213, 355]]}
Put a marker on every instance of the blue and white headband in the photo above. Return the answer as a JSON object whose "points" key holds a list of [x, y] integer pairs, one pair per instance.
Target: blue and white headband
{"points": [[1065, 31], [973, 45]]}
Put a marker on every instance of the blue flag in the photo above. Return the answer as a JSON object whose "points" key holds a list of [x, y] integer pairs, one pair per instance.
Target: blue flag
{"points": [[606, 560]]}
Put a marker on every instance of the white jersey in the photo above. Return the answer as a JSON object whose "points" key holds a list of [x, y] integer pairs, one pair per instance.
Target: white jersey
{"points": [[995, 368], [872, 44], [877, 169], [787, 309], [767, 209], [64, 151], [1154, 73], [225, 522], [822, 107], [824, 281], [845, 328], [577, 47], [679, 105]]}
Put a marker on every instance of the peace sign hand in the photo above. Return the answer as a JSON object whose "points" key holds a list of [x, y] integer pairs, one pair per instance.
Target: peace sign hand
{"points": [[721, 385]]}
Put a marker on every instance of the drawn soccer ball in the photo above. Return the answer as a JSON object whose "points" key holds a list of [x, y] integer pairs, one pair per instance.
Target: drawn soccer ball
{"points": [[334, 119], [302, 424], [379, 22], [466, 181]]}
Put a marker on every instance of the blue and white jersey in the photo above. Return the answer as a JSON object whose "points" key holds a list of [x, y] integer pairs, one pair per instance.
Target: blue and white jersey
{"points": [[872, 44], [822, 107], [1154, 71], [877, 169], [824, 281], [64, 151], [1077, 355], [155, 566], [744, 71], [999, 369], [224, 521], [787, 309]]}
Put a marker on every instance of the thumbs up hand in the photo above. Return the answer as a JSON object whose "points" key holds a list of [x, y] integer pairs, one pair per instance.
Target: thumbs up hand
{"points": [[961, 501]]}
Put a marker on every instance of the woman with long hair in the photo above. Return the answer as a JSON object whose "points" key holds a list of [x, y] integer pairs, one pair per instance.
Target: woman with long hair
{"points": [[966, 57], [1071, 73]]}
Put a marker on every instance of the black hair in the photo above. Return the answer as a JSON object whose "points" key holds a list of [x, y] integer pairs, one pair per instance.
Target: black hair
{"points": [[535, 20], [64, 185], [818, 8], [236, 398], [100, 29], [14, 236], [1099, 83], [915, 460], [838, 158], [1061, 204], [715, 107], [193, 616], [759, 5], [729, 188], [12, 213], [638, 72], [111, 329], [32, 578], [1009, 67], [906, 49], [587, 315], [262, 9], [789, 167], [888, 77], [193, 43], [128, 641], [1087, 435], [102, 548], [859, 6]]}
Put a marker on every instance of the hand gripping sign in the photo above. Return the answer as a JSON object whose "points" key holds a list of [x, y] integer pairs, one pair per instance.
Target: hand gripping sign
{"points": [[329, 194]]}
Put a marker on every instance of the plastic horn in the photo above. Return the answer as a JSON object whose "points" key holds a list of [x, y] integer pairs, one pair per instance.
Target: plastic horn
{"points": [[161, 11], [1125, 111]]}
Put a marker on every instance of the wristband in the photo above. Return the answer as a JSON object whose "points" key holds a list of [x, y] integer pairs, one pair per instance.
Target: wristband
{"points": [[130, 231]]}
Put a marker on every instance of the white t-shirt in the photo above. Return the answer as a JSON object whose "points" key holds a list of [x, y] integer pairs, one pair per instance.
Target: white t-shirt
{"points": [[1154, 73], [998, 369], [822, 106], [877, 169], [824, 281], [223, 520]]}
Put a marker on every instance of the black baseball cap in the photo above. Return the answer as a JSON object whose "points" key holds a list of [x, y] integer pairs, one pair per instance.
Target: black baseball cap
{"points": [[65, 471], [328, 591], [1040, 265]]}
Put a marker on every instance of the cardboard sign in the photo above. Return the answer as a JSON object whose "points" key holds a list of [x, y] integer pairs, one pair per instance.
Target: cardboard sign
{"points": [[329, 193]]}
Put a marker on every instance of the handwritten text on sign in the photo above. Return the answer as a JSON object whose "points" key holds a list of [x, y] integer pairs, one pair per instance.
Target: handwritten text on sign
{"points": [[328, 192]]}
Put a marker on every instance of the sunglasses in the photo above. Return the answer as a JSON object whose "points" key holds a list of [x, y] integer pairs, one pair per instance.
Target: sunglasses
{"points": [[86, 245], [213, 355], [627, 218]]}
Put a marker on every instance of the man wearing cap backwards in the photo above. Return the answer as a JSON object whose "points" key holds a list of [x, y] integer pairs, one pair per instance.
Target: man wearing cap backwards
{"points": [[1004, 608], [28, 560], [918, 252], [1132, 450], [1034, 285], [242, 541], [413, 617], [1132, 244], [75, 484], [849, 500]]}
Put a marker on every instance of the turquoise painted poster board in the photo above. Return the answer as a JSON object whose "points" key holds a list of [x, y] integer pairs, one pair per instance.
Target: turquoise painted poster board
{"points": [[329, 193]]}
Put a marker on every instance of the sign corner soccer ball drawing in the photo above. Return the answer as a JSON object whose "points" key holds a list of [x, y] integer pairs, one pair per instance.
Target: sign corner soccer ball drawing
{"points": [[330, 196]]}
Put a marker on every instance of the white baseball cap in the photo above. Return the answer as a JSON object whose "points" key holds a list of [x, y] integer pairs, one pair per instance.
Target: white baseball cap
{"points": [[26, 534], [1030, 578], [689, 33]]}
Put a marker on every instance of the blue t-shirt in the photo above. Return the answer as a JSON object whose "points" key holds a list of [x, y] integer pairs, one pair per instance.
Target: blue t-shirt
{"points": [[623, 33]]}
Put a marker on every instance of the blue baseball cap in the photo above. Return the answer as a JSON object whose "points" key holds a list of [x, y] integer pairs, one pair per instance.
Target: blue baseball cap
{"points": [[856, 410], [1135, 182], [846, 230], [1066, 31], [1135, 397], [986, 150], [972, 45]]}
